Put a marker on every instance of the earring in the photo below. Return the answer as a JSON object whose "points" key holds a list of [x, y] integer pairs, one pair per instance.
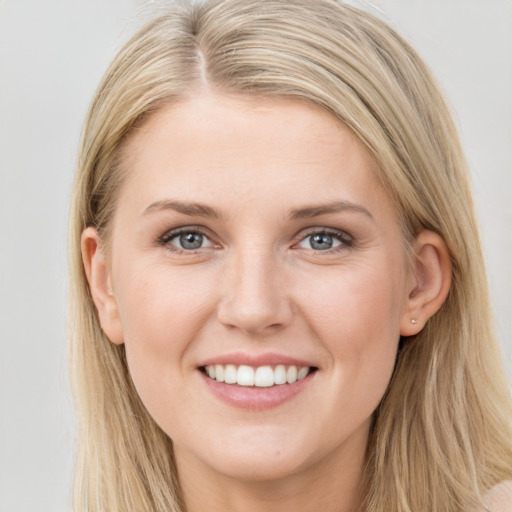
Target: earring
{"points": [[414, 321]]}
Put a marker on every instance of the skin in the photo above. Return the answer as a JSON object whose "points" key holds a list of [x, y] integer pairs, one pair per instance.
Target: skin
{"points": [[257, 285]]}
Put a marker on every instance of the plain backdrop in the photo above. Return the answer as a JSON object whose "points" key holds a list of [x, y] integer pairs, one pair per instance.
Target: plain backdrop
{"points": [[52, 56]]}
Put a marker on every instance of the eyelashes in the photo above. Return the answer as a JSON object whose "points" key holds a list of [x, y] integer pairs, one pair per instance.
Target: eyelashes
{"points": [[326, 240], [189, 240]]}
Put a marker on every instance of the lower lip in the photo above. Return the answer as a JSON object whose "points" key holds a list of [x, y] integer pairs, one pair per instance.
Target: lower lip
{"points": [[256, 398]]}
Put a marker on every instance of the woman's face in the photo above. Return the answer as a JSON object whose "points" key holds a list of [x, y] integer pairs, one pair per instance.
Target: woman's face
{"points": [[252, 237]]}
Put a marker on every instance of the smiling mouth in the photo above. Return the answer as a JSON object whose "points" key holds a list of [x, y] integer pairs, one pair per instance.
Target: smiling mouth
{"points": [[261, 376]]}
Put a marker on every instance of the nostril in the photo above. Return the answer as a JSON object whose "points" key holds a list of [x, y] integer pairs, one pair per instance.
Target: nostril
{"points": [[253, 320]]}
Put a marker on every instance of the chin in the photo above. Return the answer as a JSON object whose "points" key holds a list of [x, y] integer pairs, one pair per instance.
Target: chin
{"points": [[259, 467], [252, 456]]}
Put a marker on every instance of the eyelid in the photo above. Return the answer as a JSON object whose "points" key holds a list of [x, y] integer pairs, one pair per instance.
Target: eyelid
{"points": [[346, 240], [170, 234]]}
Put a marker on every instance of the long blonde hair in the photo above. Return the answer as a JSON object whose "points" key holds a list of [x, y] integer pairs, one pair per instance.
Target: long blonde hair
{"points": [[442, 434]]}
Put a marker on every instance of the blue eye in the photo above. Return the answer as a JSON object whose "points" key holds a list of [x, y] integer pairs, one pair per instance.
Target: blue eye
{"points": [[324, 241], [186, 240]]}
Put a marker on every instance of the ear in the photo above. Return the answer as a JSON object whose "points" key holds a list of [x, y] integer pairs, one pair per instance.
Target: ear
{"points": [[98, 276], [429, 282]]}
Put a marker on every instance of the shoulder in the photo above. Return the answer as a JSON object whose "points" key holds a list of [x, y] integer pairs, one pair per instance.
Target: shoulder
{"points": [[499, 498]]}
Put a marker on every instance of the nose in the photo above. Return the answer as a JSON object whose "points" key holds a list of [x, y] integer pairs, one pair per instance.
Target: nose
{"points": [[255, 297]]}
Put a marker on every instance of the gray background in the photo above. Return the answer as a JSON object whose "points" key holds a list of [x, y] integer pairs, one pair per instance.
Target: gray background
{"points": [[52, 55]]}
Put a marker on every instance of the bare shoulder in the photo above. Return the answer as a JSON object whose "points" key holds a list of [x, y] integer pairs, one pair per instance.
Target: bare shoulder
{"points": [[499, 498]]}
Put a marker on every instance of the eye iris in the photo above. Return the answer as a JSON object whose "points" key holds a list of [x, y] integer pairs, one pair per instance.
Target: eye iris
{"points": [[321, 241], [191, 240]]}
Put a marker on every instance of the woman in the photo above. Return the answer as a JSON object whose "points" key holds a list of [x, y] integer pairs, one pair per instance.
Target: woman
{"points": [[280, 299]]}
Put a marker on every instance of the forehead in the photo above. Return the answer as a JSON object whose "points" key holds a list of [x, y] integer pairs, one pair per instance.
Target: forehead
{"points": [[251, 146]]}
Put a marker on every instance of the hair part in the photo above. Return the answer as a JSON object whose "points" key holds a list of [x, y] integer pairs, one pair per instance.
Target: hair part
{"points": [[443, 428]]}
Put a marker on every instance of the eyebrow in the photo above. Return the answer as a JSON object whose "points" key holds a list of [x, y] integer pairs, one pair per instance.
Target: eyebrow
{"points": [[202, 210], [192, 209], [334, 207]]}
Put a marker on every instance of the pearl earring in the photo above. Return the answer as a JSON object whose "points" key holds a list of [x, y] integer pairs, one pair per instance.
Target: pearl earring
{"points": [[414, 321]]}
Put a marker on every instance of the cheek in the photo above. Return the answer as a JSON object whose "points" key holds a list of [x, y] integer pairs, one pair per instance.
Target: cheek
{"points": [[162, 312], [161, 306], [363, 304], [357, 318]]}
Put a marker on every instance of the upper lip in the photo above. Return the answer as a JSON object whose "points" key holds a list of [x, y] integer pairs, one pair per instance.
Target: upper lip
{"points": [[256, 360]]}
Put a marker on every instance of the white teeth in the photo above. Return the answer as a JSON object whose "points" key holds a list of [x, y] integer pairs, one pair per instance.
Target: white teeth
{"points": [[230, 374], [280, 374], [262, 376], [219, 372], [302, 373], [245, 376], [291, 374]]}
